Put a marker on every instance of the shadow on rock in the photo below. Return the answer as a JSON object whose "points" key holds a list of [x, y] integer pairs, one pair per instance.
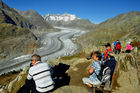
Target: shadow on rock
{"points": [[60, 76]]}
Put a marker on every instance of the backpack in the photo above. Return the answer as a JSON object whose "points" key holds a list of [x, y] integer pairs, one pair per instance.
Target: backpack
{"points": [[118, 46], [104, 74], [102, 58]]}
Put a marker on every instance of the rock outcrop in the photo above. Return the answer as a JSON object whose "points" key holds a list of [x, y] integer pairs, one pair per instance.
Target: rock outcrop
{"points": [[9, 15], [15, 84], [128, 79]]}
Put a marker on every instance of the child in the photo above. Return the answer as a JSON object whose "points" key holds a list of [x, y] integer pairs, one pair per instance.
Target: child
{"points": [[94, 71]]}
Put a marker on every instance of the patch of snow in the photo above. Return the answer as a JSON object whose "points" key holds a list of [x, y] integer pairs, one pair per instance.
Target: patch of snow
{"points": [[64, 17]]}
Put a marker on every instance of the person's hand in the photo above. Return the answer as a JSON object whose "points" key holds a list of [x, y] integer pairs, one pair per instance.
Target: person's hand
{"points": [[91, 70]]}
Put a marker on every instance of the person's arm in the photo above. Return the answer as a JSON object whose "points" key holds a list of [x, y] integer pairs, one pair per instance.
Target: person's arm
{"points": [[51, 69], [131, 48], [112, 44], [126, 47], [105, 55], [29, 76], [91, 70]]}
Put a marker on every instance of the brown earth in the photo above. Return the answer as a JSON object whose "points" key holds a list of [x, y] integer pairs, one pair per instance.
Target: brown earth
{"points": [[76, 76]]}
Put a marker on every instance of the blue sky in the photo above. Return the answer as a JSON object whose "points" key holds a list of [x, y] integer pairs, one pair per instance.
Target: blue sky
{"points": [[96, 11]]}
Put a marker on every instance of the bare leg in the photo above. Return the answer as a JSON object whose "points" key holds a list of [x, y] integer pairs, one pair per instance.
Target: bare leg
{"points": [[90, 85]]}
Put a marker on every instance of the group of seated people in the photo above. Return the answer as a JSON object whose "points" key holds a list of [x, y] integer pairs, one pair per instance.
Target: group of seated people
{"points": [[40, 80], [102, 67]]}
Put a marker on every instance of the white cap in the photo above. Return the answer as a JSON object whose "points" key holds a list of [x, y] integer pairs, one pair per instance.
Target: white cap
{"points": [[128, 42]]}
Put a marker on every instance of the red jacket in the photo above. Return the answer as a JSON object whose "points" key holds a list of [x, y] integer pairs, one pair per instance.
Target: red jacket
{"points": [[106, 53]]}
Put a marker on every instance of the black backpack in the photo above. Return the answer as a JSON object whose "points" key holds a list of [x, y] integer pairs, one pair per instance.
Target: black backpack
{"points": [[104, 74]]}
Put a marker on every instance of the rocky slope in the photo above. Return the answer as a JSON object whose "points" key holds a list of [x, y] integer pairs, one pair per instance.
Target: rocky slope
{"points": [[15, 36], [128, 77], [68, 20], [9, 15], [123, 27], [36, 19]]}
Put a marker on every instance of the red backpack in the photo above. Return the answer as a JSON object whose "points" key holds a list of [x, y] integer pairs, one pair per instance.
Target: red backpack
{"points": [[118, 46]]}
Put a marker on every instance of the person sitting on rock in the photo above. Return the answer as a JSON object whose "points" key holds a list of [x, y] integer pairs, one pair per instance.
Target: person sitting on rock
{"points": [[39, 76], [94, 71]]}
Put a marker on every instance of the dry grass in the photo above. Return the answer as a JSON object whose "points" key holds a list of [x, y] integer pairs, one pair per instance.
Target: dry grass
{"points": [[78, 55], [6, 79], [136, 44]]}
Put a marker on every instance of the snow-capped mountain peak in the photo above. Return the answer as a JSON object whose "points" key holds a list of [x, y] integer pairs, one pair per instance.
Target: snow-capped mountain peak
{"points": [[65, 17]]}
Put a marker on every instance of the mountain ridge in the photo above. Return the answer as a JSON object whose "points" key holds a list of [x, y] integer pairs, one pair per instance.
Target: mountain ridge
{"points": [[69, 20], [58, 17], [35, 18]]}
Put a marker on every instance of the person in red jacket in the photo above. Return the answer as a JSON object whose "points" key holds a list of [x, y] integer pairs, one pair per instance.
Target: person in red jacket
{"points": [[108, 49], [118, 48]]}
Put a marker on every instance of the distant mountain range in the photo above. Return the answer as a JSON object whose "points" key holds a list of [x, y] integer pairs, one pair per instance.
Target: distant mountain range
{"points": [[68, 20]]}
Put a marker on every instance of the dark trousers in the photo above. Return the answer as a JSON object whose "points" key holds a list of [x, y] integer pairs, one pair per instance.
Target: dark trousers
{"points": [[117, 51], [127, 51], [28, 87]]}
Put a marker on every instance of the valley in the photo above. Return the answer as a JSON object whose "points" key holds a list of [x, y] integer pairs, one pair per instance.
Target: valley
{"points": [[66, 39], [52, 45]]}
